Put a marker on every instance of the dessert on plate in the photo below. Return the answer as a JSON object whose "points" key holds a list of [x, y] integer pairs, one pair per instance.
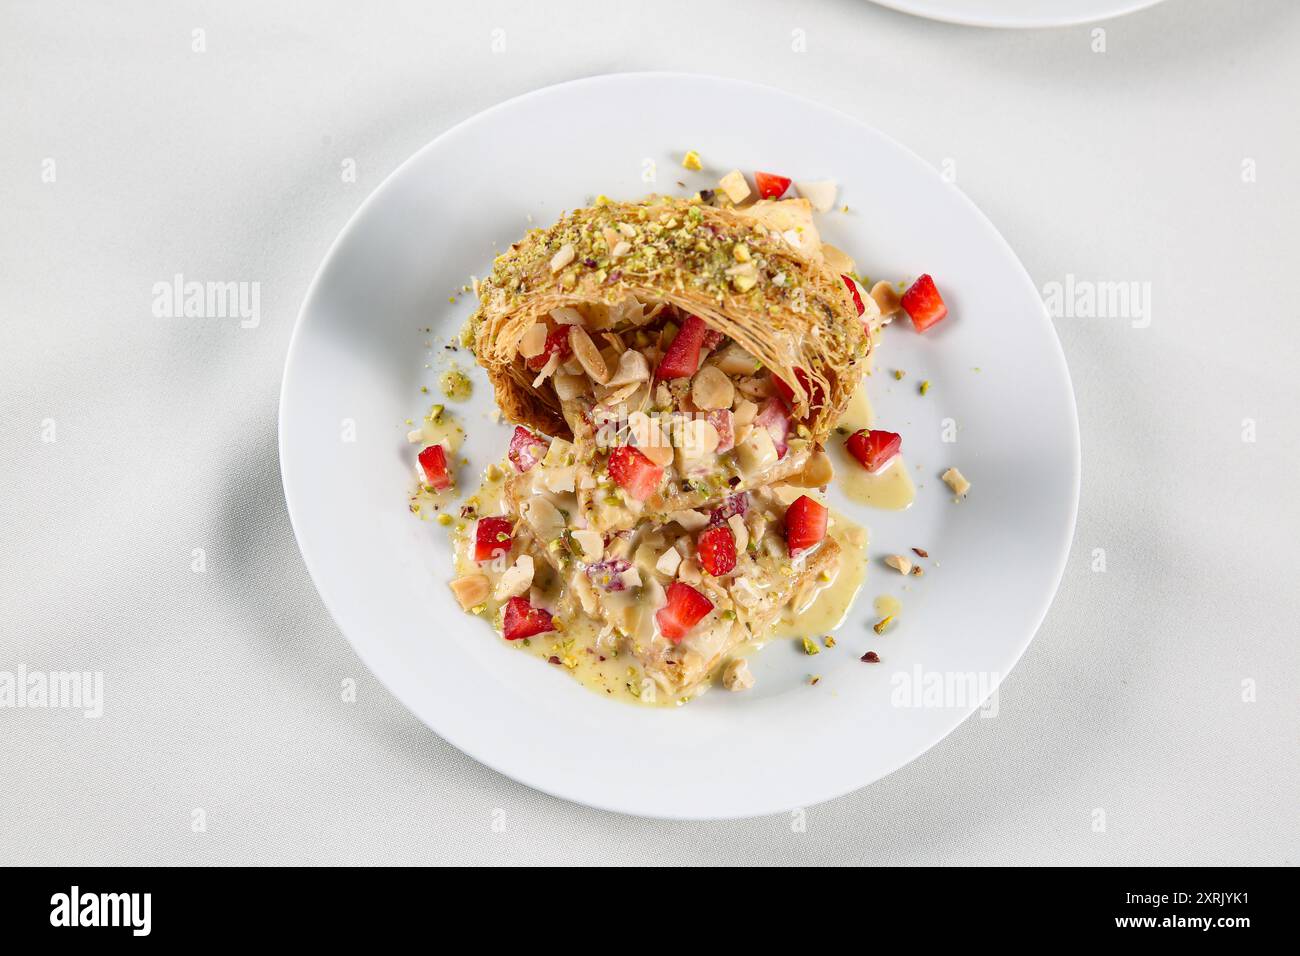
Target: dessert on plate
{"points": [[674, 369]]}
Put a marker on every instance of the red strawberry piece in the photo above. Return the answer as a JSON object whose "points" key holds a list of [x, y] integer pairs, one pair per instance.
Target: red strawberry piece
{"points": [[923, 304], [492, 536], [433, 461], [557, 343], [523, 620], [775, 417], [805, 525], [634, 472], [526, 449], [712, 339], [683, 356], [874, 449], [716, 549], [723, 422], [816, 394], [857, 296], [736, 504], [683, 611], [770, 185]]}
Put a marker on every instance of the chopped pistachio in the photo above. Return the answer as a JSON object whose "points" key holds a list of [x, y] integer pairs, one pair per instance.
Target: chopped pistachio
{"points": [[692, 162], [828, 641], [925, 386], [810, 648], [884, 622]]}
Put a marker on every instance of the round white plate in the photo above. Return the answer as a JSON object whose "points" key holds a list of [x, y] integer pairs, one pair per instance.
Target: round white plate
{"points": [[1000, 385], [1018, 13]]}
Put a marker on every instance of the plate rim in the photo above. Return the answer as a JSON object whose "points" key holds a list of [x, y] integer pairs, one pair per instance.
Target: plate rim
{"points": [[959, 715], [1003, 22]]}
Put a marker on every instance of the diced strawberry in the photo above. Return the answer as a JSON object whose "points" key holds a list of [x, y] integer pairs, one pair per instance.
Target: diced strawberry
{"points": [[770, 185], [923, 304], [712, 339], [723, 423], [634, 472], [492, 536], [857, 296], [716, 549], [557, 343], [805, 525], [523, 620], [775, 417], [816, 395], [874, 449], [685, 607], [433, 461], [526, 449], [683, 356]]}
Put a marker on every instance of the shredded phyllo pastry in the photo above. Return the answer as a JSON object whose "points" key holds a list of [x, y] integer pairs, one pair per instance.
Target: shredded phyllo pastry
{"points": [[676, 369]]}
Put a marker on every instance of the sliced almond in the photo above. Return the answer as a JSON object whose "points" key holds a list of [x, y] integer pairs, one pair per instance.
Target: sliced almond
{"points": [[689, 520], [668, 562], [632, 367], [738, 531], [548, 370], [737, 676], [711, 389], [817, 472], [471, 590], [533, 341], [621, 248], [886, 297], [838, 260], [563, 257], [591, 544], [899, 563], [516, 579], [566, 315], [820, 194], [571, 386], [588, 356], [744, 412]]}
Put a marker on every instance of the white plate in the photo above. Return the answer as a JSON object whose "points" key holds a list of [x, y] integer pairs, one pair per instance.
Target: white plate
{"points": [[357, 362], [1018, 13]]}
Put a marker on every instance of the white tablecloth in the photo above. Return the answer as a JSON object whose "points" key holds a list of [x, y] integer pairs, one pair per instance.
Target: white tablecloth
{"points": [[1154, 718]]}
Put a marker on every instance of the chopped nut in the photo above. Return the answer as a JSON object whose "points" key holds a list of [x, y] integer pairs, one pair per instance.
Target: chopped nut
{"points": [[591, 544], [955, 480], [737, 676], [886, 297], [571, 386], [810, 648], [692, 162], [711, 389], [921, 552], [533, 342], [563, 257], [870, 657], [470, 590], [924, 387], [820, 194], [632, 367], [734, 185], [516, 580], [917, 571], [884, 622], [899, 563], [589, 357], [817, 472], [828, 641], [668, 562], [740, 532]]}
